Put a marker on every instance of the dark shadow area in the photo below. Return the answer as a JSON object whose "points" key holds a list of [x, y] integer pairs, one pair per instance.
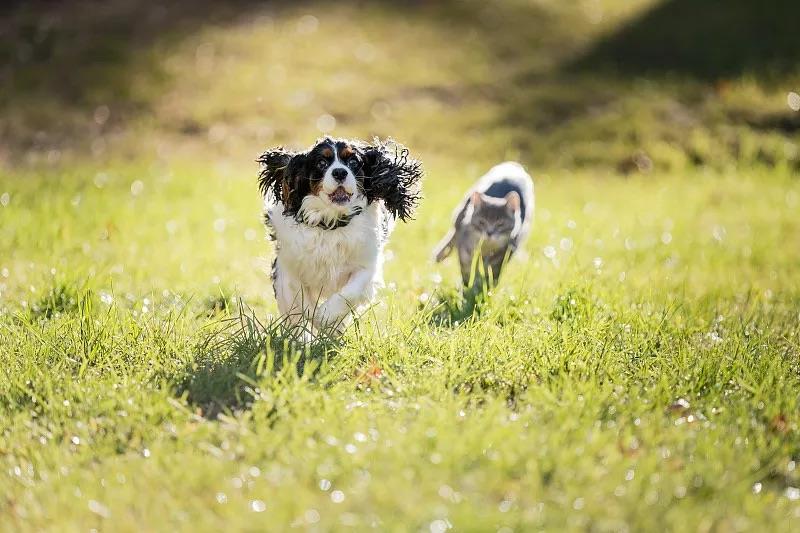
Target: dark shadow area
{"points": [[73, 71], [79, 62], [705, 39], [662, 92], [240, 351], [451, 307]]}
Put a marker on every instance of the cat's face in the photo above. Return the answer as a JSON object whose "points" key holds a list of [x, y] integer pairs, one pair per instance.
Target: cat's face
{"points": [[494, 220]]}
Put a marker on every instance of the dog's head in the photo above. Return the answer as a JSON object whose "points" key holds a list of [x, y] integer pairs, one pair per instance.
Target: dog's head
{"points": [[336, 178]]}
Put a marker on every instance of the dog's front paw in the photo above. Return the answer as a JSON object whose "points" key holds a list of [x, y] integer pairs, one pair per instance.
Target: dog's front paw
{"points": [[331, 314]]}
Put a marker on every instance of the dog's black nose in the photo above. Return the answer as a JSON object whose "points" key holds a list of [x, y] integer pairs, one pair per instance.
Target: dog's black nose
{"points": [[339, 174]]}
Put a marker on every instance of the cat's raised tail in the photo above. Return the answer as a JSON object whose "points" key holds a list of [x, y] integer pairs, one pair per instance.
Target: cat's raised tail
{"points": [[445, 246]]}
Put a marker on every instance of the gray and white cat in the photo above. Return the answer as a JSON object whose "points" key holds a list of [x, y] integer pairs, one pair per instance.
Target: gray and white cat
{"points": [[492, 221]]}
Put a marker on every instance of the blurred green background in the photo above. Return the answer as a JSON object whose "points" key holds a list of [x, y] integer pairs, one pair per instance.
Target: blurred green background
{"points": [[559, 84]]}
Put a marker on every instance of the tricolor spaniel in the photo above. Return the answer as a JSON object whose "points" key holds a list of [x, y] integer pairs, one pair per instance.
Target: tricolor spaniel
{"points": [[330, 211]]}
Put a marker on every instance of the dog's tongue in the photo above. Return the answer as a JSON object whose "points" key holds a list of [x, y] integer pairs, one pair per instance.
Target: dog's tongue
{"points": [[340, 196]]}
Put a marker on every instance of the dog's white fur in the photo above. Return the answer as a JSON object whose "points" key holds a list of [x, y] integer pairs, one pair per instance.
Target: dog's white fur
{"points": [[321, 274]]}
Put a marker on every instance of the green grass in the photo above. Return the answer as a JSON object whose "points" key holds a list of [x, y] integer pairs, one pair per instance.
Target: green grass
{"points": [[638, 367]]}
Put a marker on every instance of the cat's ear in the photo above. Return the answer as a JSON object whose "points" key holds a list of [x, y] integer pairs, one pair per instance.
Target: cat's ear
{"points": [[512, 201], [476, 199]]}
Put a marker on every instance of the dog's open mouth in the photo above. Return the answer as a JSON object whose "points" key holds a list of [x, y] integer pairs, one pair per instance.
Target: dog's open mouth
{"points": [[340, 196]]}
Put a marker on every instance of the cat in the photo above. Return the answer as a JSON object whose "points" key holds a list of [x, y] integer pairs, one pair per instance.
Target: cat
{"points": [[490, 224]]}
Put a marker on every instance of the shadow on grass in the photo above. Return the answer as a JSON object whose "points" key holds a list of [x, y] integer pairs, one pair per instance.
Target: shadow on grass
{"points": [[450, 307], [650, 94], [75, 69], [704, 39], [241, 350]]}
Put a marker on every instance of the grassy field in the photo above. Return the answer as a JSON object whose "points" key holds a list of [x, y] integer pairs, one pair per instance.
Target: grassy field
{"points": [[637, 369]]}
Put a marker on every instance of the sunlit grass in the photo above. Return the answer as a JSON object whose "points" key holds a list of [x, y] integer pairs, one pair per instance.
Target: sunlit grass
{"points": [[636, 369], [556, 405]]}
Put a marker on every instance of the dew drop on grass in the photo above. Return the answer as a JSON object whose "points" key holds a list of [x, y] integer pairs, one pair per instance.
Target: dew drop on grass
{"points": [[101, 114], [311, 516], [757, 488], [793, 100], [549, 252], [222, 498], [5, 199], [326, 123], [719, 233], [439, 526], [307, 24], [75, 440], [793, 493], [99, 509], [380, 110], [324, 485], [258, 506], [365, 52], [137, 187], [337, 496], [100, 180]]}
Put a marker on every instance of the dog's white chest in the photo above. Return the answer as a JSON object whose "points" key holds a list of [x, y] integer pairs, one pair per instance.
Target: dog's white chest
{"points": [[323, 260]]}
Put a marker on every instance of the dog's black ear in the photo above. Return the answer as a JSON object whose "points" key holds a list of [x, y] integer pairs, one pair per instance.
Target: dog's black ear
{"points": [[274, 166], [391, 175], [282, 177]]}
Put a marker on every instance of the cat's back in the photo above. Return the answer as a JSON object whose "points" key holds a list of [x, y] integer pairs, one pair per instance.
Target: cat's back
{"points": [[504, 178]]}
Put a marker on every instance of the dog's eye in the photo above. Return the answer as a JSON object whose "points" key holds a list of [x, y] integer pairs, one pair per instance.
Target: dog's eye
{"points": [[353, 163], [322, 164]]}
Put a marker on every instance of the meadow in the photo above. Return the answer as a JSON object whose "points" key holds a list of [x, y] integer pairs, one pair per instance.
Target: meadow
{"points": [[637, 368]]}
